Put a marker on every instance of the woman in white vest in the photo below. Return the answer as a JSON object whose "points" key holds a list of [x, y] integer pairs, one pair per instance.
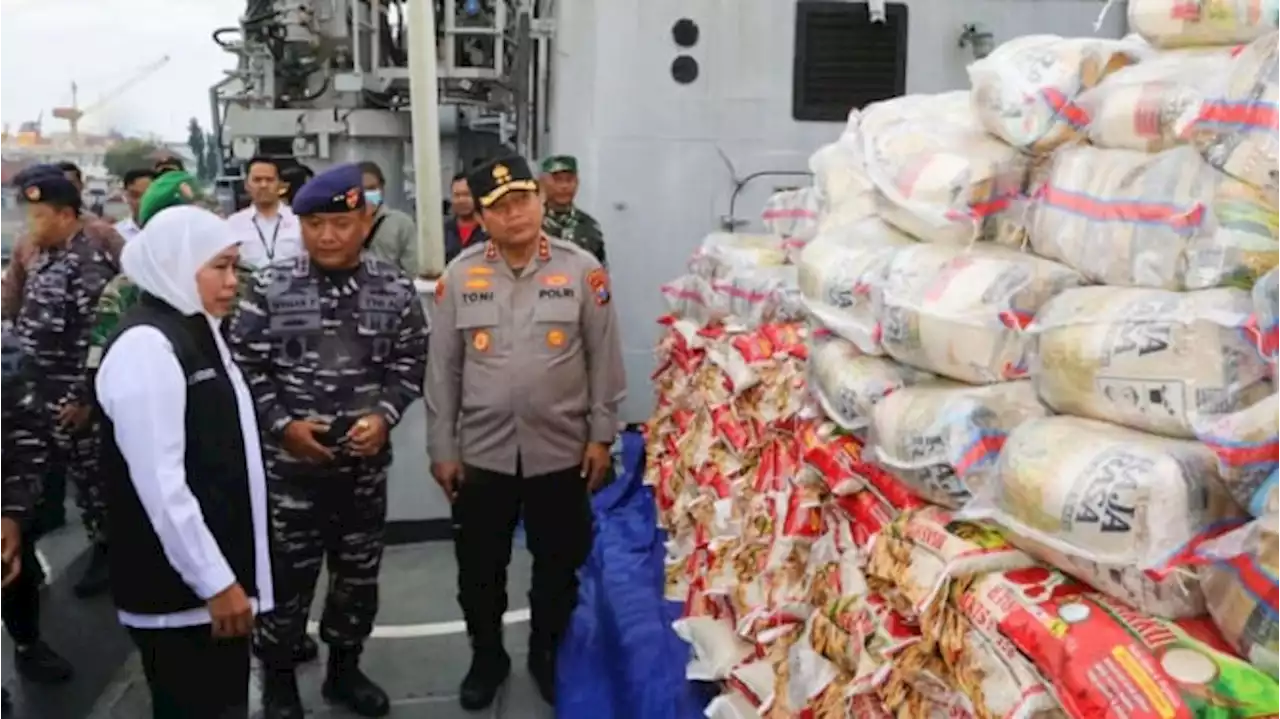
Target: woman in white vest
{"points": [[190, 564]]}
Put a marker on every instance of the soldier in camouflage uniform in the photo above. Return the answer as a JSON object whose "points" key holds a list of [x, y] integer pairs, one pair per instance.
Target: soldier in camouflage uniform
{"points": [[333, 344], [174, 188], [52, 330], [561, 218], [50, 512], [20, 461]]}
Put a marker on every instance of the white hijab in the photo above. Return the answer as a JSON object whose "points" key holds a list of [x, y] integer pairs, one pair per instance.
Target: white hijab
{"points": [[164, 258]]}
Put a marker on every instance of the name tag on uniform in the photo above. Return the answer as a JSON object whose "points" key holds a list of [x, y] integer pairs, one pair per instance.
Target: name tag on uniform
{"points": [[203, 375]]}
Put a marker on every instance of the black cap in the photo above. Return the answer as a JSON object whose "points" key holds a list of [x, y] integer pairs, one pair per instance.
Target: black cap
{"points": [[496, 178], [50, 188]]}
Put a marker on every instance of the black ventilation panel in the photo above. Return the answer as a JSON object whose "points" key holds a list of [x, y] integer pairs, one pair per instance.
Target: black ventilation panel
{"points": [[844, 61]]}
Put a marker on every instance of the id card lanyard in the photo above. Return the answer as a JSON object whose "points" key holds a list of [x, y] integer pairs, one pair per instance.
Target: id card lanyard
{"points": [[270, 249]]}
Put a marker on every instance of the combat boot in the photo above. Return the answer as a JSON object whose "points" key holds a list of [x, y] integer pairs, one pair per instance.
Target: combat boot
{"points": [[346, 685], [280, 698], [96, 576], [490, 666], [40, 664], [306, 650]]}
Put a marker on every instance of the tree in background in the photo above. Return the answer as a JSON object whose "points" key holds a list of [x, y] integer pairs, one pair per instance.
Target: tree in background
{"points": [[196, 141], [129, 155]]}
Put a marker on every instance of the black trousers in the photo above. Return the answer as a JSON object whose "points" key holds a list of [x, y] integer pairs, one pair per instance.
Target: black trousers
{"points": [[557, 522], [192, 675], [21, 604]]}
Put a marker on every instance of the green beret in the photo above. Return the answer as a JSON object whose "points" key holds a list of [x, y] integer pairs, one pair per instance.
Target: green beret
{"points": [[560, 163], [170, 189]]}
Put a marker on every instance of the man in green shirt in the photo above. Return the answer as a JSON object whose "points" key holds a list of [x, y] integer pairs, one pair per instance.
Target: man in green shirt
{"points": [[562, 219]]}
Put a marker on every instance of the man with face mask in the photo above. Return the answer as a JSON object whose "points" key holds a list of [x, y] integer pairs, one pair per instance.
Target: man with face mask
{"points": [[334, 346], [523, 391], [563, 219], [52, 328], [393, 237]]}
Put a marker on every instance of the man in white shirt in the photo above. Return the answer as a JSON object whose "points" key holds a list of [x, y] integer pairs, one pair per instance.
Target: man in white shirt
{"points": [[267, 229], [136, 183]]}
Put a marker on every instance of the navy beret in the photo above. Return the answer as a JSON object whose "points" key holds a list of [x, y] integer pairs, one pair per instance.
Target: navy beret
{"points": [[338, 189], [54, 189], [26, 174], [495, 178]]}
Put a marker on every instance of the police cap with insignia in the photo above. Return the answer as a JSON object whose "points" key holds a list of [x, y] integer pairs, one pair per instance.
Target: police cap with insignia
{"points": [[338, 189], [48, 186], [171, 189], [560, 163], [494, 179]]}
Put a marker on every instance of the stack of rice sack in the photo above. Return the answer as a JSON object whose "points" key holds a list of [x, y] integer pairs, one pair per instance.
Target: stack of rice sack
{"points": [[1173, 223]]}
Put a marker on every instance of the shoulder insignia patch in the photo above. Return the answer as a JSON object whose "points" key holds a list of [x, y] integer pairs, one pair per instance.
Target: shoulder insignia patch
{"points": [[598, 281]]}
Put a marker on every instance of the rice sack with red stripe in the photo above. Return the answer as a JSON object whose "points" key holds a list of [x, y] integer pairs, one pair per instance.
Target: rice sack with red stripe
{"points": [[1166, 221], [1025, 91], [1189, 23], [1237, 128], [1246, 445], [961, 313], [1242, 591], [1137, 108], [1148, 359], [942, 438], [943, 181], [1132, 506]]}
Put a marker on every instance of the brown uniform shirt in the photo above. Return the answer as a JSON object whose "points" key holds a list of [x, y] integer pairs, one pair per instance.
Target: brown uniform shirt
{"points": [[98, 231], [526, 367]]}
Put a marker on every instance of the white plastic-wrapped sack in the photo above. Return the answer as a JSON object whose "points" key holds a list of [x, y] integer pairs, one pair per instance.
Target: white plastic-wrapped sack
{"points": [[792, 214], [1147, 359], [848, 383], [716, 649], [845, 193], [724, 253], [1240, 590], [1266, 318], [1246, 445], [1167, 221], [1025, 91], [942, 438], [1137, 108], [952, 108], [1105, 494], [1187, 23], [1237, 125], [841, 273], [943, 182], [960, 313]]}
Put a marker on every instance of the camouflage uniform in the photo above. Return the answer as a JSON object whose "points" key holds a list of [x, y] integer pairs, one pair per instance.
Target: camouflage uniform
{"points": [[333, 347], [574, 225], [53, 327]]}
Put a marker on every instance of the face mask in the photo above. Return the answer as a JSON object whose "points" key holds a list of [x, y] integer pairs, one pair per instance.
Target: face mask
{"points": [[373, 197]]}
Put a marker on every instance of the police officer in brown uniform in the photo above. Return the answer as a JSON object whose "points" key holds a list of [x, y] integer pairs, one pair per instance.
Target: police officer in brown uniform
{"points": [[524, 381]]}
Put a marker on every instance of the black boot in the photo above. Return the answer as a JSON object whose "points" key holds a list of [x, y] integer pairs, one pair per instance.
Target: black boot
{"points": [[280, 698], [39, 663], [542, 667], [305, 651], [96, 578], [490, 666], [346, 685]]}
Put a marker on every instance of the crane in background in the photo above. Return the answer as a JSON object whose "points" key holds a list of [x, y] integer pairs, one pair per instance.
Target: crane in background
{"points": [[74, 113]]}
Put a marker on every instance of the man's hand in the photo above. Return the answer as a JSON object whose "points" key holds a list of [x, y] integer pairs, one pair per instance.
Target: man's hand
{"points": [[595, 464], [448, 475], [10, 543], [300, 440], [231, 613], [368, 435], [73, 415]]}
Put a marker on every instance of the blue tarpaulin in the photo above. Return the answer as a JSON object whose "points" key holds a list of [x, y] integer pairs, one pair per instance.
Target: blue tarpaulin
{"points": [[619, 658]]}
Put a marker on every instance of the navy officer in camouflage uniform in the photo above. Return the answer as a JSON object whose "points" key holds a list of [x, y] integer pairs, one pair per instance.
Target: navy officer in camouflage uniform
{"points": [[334, 347], [49, 434], [562, 218], [523, 389]]}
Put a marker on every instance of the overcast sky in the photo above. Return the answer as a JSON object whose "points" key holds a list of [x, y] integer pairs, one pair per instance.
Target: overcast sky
{"points": [[45, 44]]}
